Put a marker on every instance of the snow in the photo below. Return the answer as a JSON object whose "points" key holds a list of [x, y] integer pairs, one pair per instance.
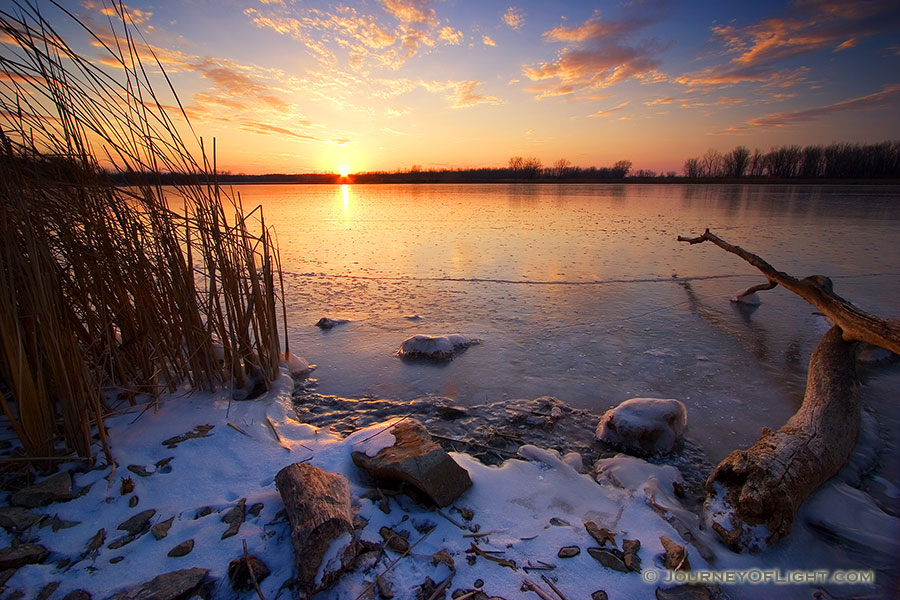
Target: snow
{"points": [[528, 510], [372, 440], [749, 299], [331, 562], [296, 365]]}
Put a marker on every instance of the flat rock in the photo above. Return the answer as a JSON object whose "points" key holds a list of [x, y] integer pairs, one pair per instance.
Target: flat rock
{"points": [[441, 347], [56, 488], [182, 549], [256, 509], [161, 529], [235, 518], [21, 555], [239, 572], [168, 586], [412, 457], [137, 523], [644, 426], [15, 519], [608, 559], [568, 551]]}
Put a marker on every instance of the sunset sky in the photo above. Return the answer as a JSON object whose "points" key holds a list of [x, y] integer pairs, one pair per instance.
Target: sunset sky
{"points": [[311, 86]]}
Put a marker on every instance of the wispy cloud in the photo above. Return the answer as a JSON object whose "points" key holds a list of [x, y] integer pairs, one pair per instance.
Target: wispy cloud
{"points": [[513, 17], [889, 96], [609, 111], [598, 55], [487, 41], [461, 94]]}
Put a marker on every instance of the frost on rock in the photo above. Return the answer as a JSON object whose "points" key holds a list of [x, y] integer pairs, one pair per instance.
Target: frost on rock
{"points": [[644, 425], [442, 347], [297, 365]]}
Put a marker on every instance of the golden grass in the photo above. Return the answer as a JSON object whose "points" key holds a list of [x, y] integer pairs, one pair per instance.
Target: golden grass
{"points": [[106, 288]]}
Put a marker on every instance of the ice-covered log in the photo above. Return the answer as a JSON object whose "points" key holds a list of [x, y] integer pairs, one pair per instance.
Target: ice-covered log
{"points": [[754, 494], [317, 504]]}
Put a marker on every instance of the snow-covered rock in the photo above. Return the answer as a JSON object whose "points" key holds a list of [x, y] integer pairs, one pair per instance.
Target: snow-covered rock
{"points": [[443, 347], [631, 473], [297, 365], [644, 425]]}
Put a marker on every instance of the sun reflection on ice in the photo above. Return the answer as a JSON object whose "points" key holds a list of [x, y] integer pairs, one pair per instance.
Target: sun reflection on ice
{"points": [[345, 194]]}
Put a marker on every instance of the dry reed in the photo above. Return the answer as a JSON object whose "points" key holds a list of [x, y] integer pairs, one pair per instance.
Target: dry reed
{"points": [[113, 292]]}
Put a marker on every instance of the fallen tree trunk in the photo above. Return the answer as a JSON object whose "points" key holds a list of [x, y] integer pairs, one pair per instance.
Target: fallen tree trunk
{"points": [[856, 325], [753, 495], [317, 504]]}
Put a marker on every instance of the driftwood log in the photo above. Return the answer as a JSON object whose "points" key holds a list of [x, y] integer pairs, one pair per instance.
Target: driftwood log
{"points": [[317, 504], [753, 495]]}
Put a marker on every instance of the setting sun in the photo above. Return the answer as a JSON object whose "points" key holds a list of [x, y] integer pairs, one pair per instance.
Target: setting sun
{"points": [[344, 170]]}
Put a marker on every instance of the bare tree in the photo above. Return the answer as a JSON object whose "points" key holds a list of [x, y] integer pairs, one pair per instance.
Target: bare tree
{"points": [[757, 164], [561, 167], [736, 161], [692, 168], [711, 163], [531, 167], [621, 168]]}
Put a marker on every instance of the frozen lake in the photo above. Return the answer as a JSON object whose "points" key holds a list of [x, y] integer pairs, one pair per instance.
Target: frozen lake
{"points": [[580, 291]]}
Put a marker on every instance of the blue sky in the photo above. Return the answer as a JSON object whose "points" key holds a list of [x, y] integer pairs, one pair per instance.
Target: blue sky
{"points": [[384, 84]]}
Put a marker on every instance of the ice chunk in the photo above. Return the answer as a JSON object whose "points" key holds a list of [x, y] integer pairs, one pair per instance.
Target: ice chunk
{"points": [[442, 347], [644, 425]]}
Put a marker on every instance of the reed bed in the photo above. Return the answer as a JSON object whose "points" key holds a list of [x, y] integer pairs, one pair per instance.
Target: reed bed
{"points": [[111, 293]]}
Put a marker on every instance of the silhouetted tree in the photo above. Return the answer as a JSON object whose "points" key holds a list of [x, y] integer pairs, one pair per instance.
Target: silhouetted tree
{"points": [[736, 162], [692, 168], [757, 164], [561, 168], [621, 168], [712, 163]]}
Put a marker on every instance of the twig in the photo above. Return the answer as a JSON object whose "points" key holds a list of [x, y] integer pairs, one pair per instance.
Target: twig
{"points": [[505, 562], [540, 567], [238, 429], [553, 587], [479, 534], [451, 519], [380, 431], [277, 436], [394, 563], [537, 590], [252, 573], [474, 443], [439, 590]]}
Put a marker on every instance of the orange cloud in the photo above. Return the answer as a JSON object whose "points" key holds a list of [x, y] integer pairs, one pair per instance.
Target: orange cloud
{"points": [[609, 111], [514, 18], [451, 36], [461, 94], [487, 41]]}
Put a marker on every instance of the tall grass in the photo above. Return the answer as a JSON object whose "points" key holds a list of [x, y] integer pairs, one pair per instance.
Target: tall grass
{"points": [[131, 290]]}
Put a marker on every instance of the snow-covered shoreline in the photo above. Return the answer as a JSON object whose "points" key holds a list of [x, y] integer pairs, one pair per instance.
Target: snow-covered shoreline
{"points": [[525, 510]]}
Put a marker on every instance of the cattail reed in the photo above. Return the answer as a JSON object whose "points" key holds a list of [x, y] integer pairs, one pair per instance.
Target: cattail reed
{"points": [[115, 293]]}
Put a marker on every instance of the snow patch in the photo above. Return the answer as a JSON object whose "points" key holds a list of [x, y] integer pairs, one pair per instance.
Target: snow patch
{"points": [[372, 440], [332, 561]]}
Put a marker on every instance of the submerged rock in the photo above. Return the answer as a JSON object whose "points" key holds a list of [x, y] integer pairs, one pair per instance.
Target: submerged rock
{"points": [[644, 425], [56, 488], [404, 452], [326, 323], [443, 347]]}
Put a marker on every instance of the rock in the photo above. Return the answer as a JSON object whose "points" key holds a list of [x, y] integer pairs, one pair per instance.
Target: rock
{"points": [[443, 347], [139, 470], [47, 591], [127, 486], [133, 501], [21, 555], [256, 509], [16, 520], [685, 592], [116, 560], [632, 560], [95, 543], [574, 460], [609, 559], [568, 551], [326, 323], [239, 572], [601, 534], [234, 518], [394, 540], [161, 529], [412, 457], [296, 365], [199, 431], [56, 488], [77, 595], [206, 510], [182, 549], [450, 411], [56, 523], [676, 557], [644, 425], [384, 587], [169, 586], [137, 523], [600, 595], [121, 542]]}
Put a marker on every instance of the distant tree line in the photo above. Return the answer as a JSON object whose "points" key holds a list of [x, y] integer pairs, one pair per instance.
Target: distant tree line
{"points": [[835, 161]]}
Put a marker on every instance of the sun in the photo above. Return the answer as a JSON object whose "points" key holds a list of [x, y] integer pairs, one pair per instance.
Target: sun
{"points": [[344, 170]]}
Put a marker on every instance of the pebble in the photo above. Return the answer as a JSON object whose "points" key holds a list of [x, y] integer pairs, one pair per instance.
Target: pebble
{"points": [[256, 509], [568, 551], [182, 549], [137, 523]]}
